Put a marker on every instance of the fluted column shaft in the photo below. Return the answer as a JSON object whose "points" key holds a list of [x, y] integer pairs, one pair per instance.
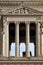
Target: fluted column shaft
{"points": [[42, 39], [4, 24], [27, 40], [7, 39], [38, 39], [17, 39]]}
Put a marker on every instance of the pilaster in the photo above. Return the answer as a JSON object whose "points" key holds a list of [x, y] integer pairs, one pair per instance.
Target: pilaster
{"points": [[4, 53], [41, 38], [5, 37]]}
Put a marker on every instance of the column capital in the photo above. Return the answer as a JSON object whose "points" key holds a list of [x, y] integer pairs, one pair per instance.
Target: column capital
{"points": [[36, 23], [17, 22], [27, 23], [4, 19]]}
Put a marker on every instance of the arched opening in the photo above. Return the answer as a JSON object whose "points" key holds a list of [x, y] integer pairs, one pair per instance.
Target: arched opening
{"points": [[22, 49], [11, 37], [12, 52], [22, 38], [33, 37]]}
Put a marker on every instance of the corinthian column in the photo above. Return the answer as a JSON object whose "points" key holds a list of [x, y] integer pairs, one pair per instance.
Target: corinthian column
{"points": [[38, 39], [27, 40], [17, 39]]}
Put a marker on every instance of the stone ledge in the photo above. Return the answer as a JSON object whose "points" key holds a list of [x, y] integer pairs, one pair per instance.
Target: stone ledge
{"points": [[22, 0], [17, 2], [3, 58]]}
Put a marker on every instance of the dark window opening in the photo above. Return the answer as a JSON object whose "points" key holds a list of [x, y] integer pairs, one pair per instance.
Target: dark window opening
{"points": [[11, 34], [33, 37]]}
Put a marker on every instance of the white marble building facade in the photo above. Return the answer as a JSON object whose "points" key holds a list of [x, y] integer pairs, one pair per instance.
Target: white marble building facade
{"points": [[20, 12]]}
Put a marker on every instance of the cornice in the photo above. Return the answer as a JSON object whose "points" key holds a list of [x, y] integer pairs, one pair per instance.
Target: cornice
{"points": [[22, 14], [14, 2], [23, 0]]}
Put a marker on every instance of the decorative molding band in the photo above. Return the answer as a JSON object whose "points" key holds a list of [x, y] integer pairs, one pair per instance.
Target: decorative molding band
{"points": [[24, 0], [5, 2]]}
